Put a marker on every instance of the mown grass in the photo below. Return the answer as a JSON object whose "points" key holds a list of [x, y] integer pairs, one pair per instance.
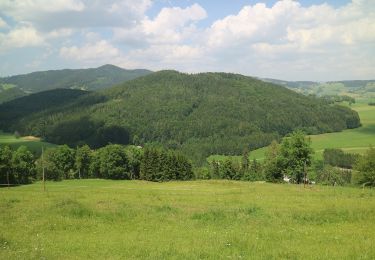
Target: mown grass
{"points": [[353, 140], [103, 219], [33, 144]]}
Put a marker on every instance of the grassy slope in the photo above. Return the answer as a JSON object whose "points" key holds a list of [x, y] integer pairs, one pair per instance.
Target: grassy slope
{"points": [[33, 145], [353, 140], [104, 219]]}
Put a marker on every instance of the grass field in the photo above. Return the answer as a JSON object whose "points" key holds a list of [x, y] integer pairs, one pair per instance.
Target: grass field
{"points": [[103, 219], [353, 140], [33, 144]]}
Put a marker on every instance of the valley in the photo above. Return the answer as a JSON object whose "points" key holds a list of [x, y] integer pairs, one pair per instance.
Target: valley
{"points": [[187, 129], [352, 140]]}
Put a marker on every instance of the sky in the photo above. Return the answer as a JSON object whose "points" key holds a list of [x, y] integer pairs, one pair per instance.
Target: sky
{"points": [[320, 40]]}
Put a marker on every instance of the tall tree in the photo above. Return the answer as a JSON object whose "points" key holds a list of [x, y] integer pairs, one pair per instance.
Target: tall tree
{"points": [[114, 163], [58, 163], [134, 155], [23, 165], [227, 170], [83, 159], [63, 158], [5, 165], [273, 171], [296, 155], [245, 160]]}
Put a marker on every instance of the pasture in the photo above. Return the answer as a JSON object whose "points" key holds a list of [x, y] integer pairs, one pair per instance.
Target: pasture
{"points": [[353, 140], [34, 144], [103, 219]]}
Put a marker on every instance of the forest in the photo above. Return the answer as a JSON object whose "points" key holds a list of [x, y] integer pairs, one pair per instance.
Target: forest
{"points": [[197, 114], [292, 158], [113, 161]]}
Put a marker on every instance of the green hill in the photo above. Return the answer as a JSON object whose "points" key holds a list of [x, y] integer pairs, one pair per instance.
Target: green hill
{"points": [[9, 93], [200, 114], [83, 79], [359, 89]]}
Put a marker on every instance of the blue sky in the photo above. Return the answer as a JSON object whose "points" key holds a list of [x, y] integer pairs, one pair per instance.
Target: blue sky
{"points": [[286, 39]]}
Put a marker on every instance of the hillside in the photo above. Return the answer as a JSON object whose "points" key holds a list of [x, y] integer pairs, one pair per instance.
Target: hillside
{"points": [[83, 79], [201, 114], [355, 140], [359, 89], [8, 93]]}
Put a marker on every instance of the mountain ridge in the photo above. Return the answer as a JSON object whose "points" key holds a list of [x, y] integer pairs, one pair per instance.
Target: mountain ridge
{"points": [[200, 114], [84, 79]]}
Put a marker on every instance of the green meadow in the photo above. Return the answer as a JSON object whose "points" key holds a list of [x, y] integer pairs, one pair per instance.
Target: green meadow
{"points": [[32, 143], [103, 219], [353, 140]]}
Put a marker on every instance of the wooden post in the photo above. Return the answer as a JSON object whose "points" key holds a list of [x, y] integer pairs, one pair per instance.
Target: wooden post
{"points": [[44, 180], [8, 179], [304, 173]]}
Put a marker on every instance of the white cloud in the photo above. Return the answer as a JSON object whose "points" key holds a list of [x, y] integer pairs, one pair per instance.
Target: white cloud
{"points": [[171, 25], [52, 15], [174, 18], [91, 52], [27, 10], [59, 33], [20, 37], [253, 24], [3, 24], [139, 8], [286, 40]]}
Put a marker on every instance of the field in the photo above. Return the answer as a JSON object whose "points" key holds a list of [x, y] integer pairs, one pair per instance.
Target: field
{"points": [[353, 140], [103, 219], [34, 144]]}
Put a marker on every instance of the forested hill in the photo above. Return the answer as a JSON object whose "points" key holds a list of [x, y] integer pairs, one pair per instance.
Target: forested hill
{"points": [[353, 88], [200, 114], [83, 79]]}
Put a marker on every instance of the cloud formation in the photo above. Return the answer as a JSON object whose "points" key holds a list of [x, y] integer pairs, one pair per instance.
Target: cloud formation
{"points": [[286, 40]]}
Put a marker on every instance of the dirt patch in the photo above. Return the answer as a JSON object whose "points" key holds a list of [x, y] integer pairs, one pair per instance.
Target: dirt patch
{"points": [[31, 138]]}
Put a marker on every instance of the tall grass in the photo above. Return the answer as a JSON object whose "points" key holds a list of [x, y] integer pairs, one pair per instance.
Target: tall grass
{"points": [[103, 219]]}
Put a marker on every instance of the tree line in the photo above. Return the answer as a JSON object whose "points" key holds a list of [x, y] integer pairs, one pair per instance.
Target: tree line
{"points": [[110, 162], [16, 167], [291, 158]]}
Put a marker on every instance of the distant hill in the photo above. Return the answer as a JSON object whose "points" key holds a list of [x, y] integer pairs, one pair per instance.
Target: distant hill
{"points": [[9, 92], [83, 79], [200, 114], [354, 88], [22, 107]]}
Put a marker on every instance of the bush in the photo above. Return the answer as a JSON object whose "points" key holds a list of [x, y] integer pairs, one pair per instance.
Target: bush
{"points": [[366, 168], [333, 176]]}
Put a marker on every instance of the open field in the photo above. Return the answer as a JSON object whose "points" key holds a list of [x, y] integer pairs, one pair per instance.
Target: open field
{"points": [[353, 140], [103, 219], [34, 144]]}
